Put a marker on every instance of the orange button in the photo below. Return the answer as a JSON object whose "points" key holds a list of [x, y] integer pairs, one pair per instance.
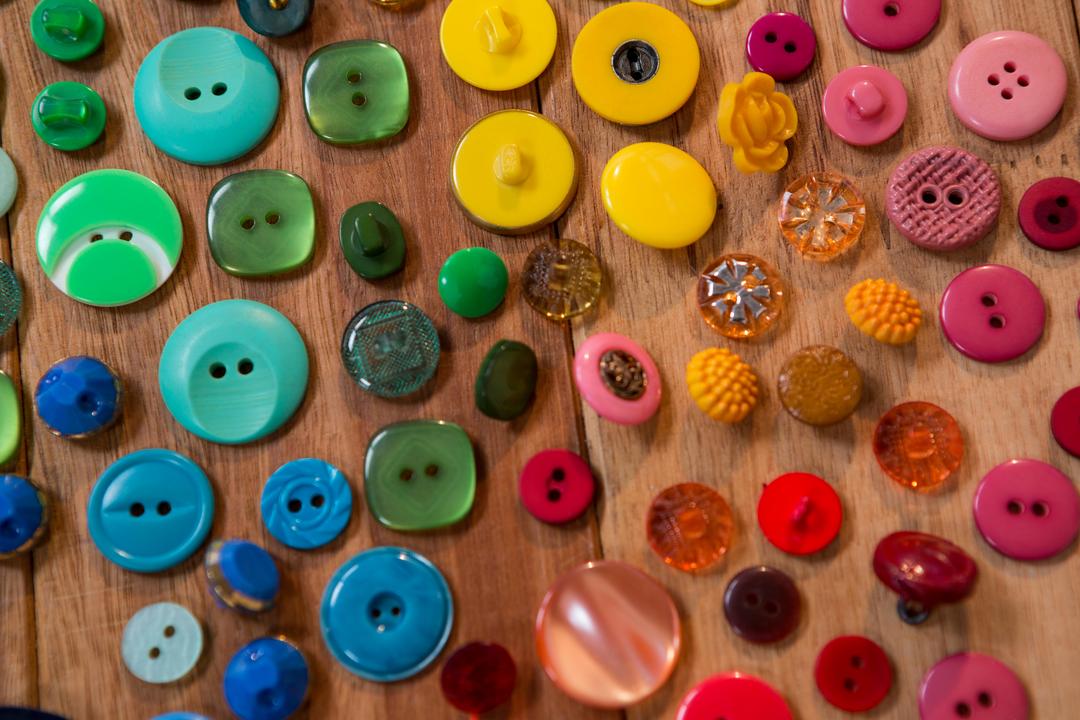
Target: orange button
{"points": [[822, 215], [918, 445], [689, 526]]}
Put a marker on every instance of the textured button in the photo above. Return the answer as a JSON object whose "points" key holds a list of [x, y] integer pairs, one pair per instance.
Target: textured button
{"points": [[506, 382], [740, 296], [992, 313], [10, 297], [390, 348], [561, 278], [972, 685], [756, 121], [242, 575], [925, 571], [478, 677], [820, 385], [556, 486], [261, 222], [890, 24], [1048, 213], [1007, 85], [67, 30], [884, 311], [733, 696], [472, 282], [233, 371], [306, 503], [386, 614], [9, 183], [618, 378], [10, 421], [275, 18], [24, 515], [864, 105], [109, 237], [161, 643], [822, 215], [800, 513], [68, 115], [267, 679], [79, 397], [616, 621], [762, 605], [918, 445], [722, 385], [206, 95], [853, 673], [372, 240], [689, 526], [498, 44], [781, 44], [1065, 421]]}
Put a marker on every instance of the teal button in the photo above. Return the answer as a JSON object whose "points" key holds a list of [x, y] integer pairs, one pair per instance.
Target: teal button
{"points": [[161, 643], [67, 29], [68, 115], [9, 182]]}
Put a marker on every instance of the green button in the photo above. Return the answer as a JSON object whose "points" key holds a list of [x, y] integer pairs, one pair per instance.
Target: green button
{"points": [[506, 382], [10, 297], [68, 115], [261, 222], [473, 282], [9, 182], [67, 29], [372, 240], [10, 420]]}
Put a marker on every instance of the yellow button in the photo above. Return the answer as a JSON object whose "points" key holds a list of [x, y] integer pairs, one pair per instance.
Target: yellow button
{"points": [[513, 171], [756, 120], [498, 44], [714, 3], [635, 63], [658, 195]]}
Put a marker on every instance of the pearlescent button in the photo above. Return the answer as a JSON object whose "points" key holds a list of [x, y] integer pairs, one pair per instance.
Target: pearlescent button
{"points": [[992, 313], [498, 44], [24, 515], [68, 115], [390, 348], [162, 643], [306, 503], [970, 685], [267, 679], [79, 397], [10, 297], [618, 378], [733, 696]]}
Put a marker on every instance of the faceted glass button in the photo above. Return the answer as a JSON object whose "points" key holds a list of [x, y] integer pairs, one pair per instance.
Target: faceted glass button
{"points": [[68, 115], [820, 385], [10, 297], [740, 296], [390, 348], [561, 279], [762, 605], [689, 526], [473, 282], [372, 240], [918, 445], [478, 677], [822, 215], [507, 380], [67, 30], [275, 18]]}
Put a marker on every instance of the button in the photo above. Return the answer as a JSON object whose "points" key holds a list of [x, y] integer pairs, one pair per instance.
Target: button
{"points": [[242, 575], [853, 673], [306, 503], [181, 716], [1048, 213], [756, 120], [561, 279], [800, 513], [67, 30], [918, 445], [714, 3], [733, 696], [68, 115], [992, 313], [267, 679], [109, 237], [79, 397], [781, 44], [513, 171], [372, 240], [10, 297], [472, 282], [20, 713], [162, 643], [1007, 85], [233, 371], [9, 182], [24, 515], [722, 385], [972, 685], [275, 18], [820, 385], [261, 222], [740, 296], [689, 526], [884, 311], [206, 95], [762, 605], [613, 618], [635, 63], [387, 614], [658, 195], [498, 44], [822, 215], [618, 378], [390, 348], [925, 571], [1065, 421], [890, 24], [10, 421], [864, 105], [556, 486], [478, 677], [506, 382]]}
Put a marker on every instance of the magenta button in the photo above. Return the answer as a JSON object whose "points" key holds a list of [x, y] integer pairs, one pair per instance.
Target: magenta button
{"points": [[1065, 421], [781, 44], [1048, 213], [992, 313], [864, 105], [556, 486], [890, 24], [733, 696], [617, 378], [970, 685]]}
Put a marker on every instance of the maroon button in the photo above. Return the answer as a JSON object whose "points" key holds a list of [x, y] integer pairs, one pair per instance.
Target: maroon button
{"points": [[762, 605], [556, 486], [781, 44], [799, 513], [478, 677], [1048, 213], [890, 24], [992, 313], [733, 696], [853, 673], [1065, 421], [925, 571]]}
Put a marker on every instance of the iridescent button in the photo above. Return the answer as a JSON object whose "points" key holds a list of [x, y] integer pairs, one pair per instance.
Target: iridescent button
{"points": [[1065, 421], [306, 503], [161, 643], [918, 445], [79, 397], [561, 279], [890, 24], [372, 240], [68, 115], [800, 513], [1048, 213], [762, 605], [498, 44], [733, 696], [472, 282], [689, 526], [618, 378], [242, 575], [970, 685], [992, 313], [24, 515], [864, 105], [820, 385], [925, 571], [478, 677], [390, 348], [781, 44], [9, 183], [10, 297], [822, 215], [740, 296], [556, 486], [275, 18], [267, 679], [67, 30], [853, 673]]}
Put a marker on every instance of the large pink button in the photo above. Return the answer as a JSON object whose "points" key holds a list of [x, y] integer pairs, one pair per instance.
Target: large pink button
{"points": [[556, 486], [970, 685], [781, 44], [891, 24], [864, 105], [1027, 510], [992, 313], [1007, 85], [617, 378], [1065, 421], [1048, 213], [733, 696]]}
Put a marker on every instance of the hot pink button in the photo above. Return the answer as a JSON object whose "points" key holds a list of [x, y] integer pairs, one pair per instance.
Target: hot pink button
{"points": [[864, 105], [617, 378], [1027, 510], [890, 24], [1065, 421], [1048, 213], [781, 44], [1007, 85], [970, 685], [556, 486], [992, 313], [733, 696]]}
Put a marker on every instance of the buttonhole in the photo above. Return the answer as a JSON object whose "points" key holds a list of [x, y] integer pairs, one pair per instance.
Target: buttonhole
{"points": [[770, 37], [985, 699], [164, 508], [554, 495], [752, 599], [155, 653], [169, 631], [137, 510], [989, 299], [272, 218], [217, 371], [295, 505], [1053, 219], [353, 77], [86, 403], [929, 196], [856, 661], [1061, 201], [771, 607], [849, 684], [1010, 67], [1023, 81], [1015, 507], [789, 47], [558, 474], [395, 611], [1039, 509], [359, 99], [192, 93], [1006, 94], [431, 470], [317, 501], [247, 223], [126, 236], [955, 197], [375, 613], [96, 236], [219, 88], [962, 709], [245, 366], [997, 321], [406, 474], [892, 9], [994, 80]]}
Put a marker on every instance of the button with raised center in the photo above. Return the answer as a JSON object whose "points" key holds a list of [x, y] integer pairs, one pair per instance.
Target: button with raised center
{"points": [[79, 397], [800, 513], [67, 30], [390, 348], [372, 240], [561, 279], [68, 115], [498, 44], [864, 105], [267, 679], [242, 575], [275, 18], [618, 378], [918, 445], [23, 515]]}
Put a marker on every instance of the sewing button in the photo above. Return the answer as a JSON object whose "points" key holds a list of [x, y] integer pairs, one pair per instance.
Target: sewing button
{"points": [[478, 677], [884, 311], [78, 397], [556, 486], [822, 215], [762, 605], [390, 348], [992, 313], [275, 18], [24, 515], [306, 503], [68, 115], [9, 186], [267, 679], [386, 614], [722, 385], [853, 673], [161, 643], [618, 378], [972, 685], [1047, 214], [561, 279], [781, 44], [740, 296], [864, 105], [506, 382], [372, 240], [206, 95], [261, 222], [241, 575], [918, 445], [10, 420], [756, 121], [733, 696], [890, 25], [498, 44], [10, 297], [67, 30], [1064, 421], [925, 571], [472, 282], [180, 716], [20, 713], [689, 526], [800, 513], [820, 385]]}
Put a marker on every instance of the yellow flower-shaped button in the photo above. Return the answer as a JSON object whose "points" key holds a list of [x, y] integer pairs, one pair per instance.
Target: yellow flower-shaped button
{"points": [[756, 120], [513, 171], [884, 311], [498, 44], [722, 385], [658, 195], [635, 63]]}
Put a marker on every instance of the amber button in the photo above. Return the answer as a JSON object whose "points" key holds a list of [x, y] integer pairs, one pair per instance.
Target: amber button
{"points": [[740, 296], [820, 385], [689, 526], [822, 215], [561, 279], [918, 445], [762, 605]]}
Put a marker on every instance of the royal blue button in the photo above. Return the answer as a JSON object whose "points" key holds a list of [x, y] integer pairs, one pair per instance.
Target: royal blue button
{"points": [[22, 515], [242, 575], [78, 397], [306, 503], [386, 614], [266, 680], [150, 510]]}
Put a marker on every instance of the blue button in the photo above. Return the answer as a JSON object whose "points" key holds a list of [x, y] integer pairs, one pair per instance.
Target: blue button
{"points": [[23, 515], [242, 575], [386, 614], [306, 503], [181, 716], [17, 713], [206, 95], [150, 510], [266, 680], [78, 397]]}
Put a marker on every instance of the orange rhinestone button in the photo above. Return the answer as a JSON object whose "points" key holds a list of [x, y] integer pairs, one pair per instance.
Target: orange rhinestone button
{"points": [[689, 526], [820, 385], [722, 385], [822, 215], [918, 445], [740, 296], [884, 311]]}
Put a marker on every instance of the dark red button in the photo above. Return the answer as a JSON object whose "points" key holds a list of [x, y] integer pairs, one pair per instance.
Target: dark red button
{"points": [[1050, 213], [478, 677], [762, 605], [800, 513], [1065, 421], [853, 673], [925, 571], [556, 486], [733, 696]]}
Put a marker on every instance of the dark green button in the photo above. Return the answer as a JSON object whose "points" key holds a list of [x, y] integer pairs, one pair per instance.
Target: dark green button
{"points": [[68, 115], [372, 240], [507, 380], [275, 18], [473, 282], [67, 29]]}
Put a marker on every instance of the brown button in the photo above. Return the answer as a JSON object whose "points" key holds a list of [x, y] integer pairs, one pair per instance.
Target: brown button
{"points": [[762, 605], [820, 385]]}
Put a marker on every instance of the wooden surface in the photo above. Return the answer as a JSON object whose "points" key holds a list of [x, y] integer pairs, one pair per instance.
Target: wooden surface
{"points": [[62, 611]]}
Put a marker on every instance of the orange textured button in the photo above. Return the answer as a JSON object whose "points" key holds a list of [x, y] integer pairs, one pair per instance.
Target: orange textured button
{"points": [[800, 513], [822, 215], [918, 445], [722, 385], [884, 311], [820, 385], [740, 296], [689, 526]]}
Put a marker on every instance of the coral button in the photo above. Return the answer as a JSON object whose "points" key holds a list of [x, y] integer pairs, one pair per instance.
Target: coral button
{"points": [[689, 526], [1065, 421], [970, 685], [618, 378], [891, 24], [992, 313], [853, 673], [1048, 213], [864, 105], [800, 513], [556, 486], [918, 445], [733, 696], [781, 44]]}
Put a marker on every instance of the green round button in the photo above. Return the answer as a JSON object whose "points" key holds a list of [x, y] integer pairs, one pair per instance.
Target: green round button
{"points": [[68, 115], [67, 29], [372, 240], [473, 282]]}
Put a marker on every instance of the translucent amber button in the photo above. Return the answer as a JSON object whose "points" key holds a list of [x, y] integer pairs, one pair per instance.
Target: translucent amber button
{"points": [[884, 311], [498, 44], [689, 526], [722, 385], [740, 296], [822, 215], [918, 445], [561, 279], [756, 121], [820, 385]]}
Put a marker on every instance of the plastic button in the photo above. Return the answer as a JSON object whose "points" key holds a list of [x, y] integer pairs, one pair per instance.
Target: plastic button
{"points": [[820, 385], [390, 348], [781, 44], [800, 513], [689, 526], [68, 115], [498, 44], [1048, 213], [864, 105], [925, 571], [275, 18], [506, 382], [972, 685], [561, 279], [853, 673], [890, 24], [733, 696], [884, 311], [24, 515], [372, 240], [267, 679], [162, 643], [740, 296], [472, 282], [756, 120], [10, 297], [67, 30], [387, 614], [478, 677], [822, 215], [556, 486], [722, 385], [180, 716], [918, 445], [242, 575], [9, 186], [306, 503], [1065, 421], [618, 378], [10, 420], [78, 397], [762, 605], [992, 313]]}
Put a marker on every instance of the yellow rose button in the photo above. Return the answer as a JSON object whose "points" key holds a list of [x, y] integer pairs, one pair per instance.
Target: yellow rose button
{"points": [[498, 44], [635, 63], [756, 120], [658, 195]]}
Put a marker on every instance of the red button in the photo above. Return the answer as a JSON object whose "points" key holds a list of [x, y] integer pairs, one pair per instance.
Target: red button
{"points": [[556, 486], [1048, 213], [478, 677], [733, 696], [853, 673], [1065, 421], [800, 513]]}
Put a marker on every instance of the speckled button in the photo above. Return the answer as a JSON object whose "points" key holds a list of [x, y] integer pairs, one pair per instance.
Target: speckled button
{"points": [[781, 44], [970, 685], [762, 605], [890, 24], [1065, 421], [992, 313], [556, 486], [853, 673], [864, 105], [800, 513], [618, 378], [733, 696], [162, 643], [306, 503], [1048, 213]]}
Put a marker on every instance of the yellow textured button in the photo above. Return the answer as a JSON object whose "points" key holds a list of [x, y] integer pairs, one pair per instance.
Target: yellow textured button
{"points": [[513, 171], [658, 195], [498, 44], [635, 63], [884, 311], [722, 385], [756, 121]]}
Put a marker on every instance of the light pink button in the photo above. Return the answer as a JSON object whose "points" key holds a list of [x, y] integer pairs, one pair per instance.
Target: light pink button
{"points": [[617, 378], [1027, 509], [1007, 85], [864, 105], [970, 685], [891, 24], [992, 313], [733, 696], [556, 486]]}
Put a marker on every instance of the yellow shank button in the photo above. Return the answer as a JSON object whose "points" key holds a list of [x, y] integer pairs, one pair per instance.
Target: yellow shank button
{"points": [[884, 311], [756, 121], [510, 165], [502, 32], [498, 44], [722, 385]]}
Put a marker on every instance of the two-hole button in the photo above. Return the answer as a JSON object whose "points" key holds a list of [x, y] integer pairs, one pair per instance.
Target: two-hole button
{"points": [[162, 643], [992, 313]]}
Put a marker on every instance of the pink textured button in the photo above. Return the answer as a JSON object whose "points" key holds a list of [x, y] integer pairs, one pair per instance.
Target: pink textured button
{"points": [[943, 198], [1007, 85], [781, 44], [1048, 213], [1027, 509], [733, 696], [970, 685], [617, 378], [992, 313], [1065, 421], [556, 486], [864, 105], [890, 24]]}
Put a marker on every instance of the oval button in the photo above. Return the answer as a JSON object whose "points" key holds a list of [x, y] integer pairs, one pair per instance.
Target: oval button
{"points": [[390, 348], [992, 313], [78, 397], [306, 503], [10, 420], [733, 696], [162, 643], [890, 24], [506, 382], [853, 673], [1049, 213], [800, 513], [618, 378], [267, 679], [970, 685], [762, 605], [23, 515], [781, 44], [925, 571], [556, 486]]}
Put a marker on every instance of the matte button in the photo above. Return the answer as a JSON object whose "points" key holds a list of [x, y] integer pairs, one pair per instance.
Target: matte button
{"points": [[925, 571], [733, 696], [723, 386], [884, 311], [800, 513], [689, 526], [275, 18], [506, 382], [1065, 421], [890, 24], [618, 378], [864, 105], [556, 486], [740, 296], [762, 605], [162, 643], [756, 121], [478, 677], [472, 282], [242, 575], [853, 673], [67, 30], [267, 679], [23, 515], [306, 503], [992, 313], [68, 115], [498, 44], [387, 614], [10, 420], [972, 685], [820, 385], [79, 397], [372, 240], [781, 44], [561, 279], [918, 445], [9, 182], [822, 215], [390, 348], [1048, 213]]}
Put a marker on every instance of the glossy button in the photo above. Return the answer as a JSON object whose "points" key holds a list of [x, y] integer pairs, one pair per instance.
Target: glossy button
{"points": [[689, 526], [306, 503], [1048, 213], [506, 382], [275, 18], [890, 24], [78, 397], [992, 313], [864, 105], [618, 378], [972, 685], [242, 575], [1065, 421], [161, 643], [478, 677], [23, 515], [472, 282], [781, 44], [853, 673], [740, 296], [556, 486], [267, 679], [67, 30], [10, 421], [800, 513], [498, 44], [925, 571], [820, 385], [733, 696], [9, 183], [68, 115], [756, 121], [762, 605], [822, 215], [723, 386], [884, 311], [390, 348], [561, 279], [10, 297], [918, 445], [386, 614], [372, 240]]}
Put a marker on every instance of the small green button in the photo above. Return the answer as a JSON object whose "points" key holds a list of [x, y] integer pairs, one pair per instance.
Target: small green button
{"points": [[10, 420], [68, 115], [506, 382], [67, 29], [473, 282], [372, 240], [261, 222]]}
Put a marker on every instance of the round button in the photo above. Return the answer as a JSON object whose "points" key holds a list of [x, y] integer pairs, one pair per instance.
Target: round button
{"points": [[23, 515], [150, 510], [800, 513], [67, 30], [820, 385], [179, 716], [472, 282], [756, 121], [9, 184], [267, 679], [864, 105], [884, 311], [740, 296], [275, 18], [68, 115], [386, 614], [1007, 85], [733, 696], [478, 677], [242, 575], [723, 386], [390, 348], [161, 643], [10, 297], [853, 673], [561, 279], [689, 526], [498, 44], [992, 313], [372, 240], [10, 420], [1048, 213], [972, 685], [890, 24], [822, 215], [306, 503], [918, 445], [78, 397], [618, 378], [762, 605], [925, 571], [1065, 421], [781, 44], [556, 486], [206, 95]]}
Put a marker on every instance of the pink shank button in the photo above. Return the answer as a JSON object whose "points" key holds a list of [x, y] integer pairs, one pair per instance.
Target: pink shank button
{"points": [[890, 24], [556, 486], [864, 105], [781, 44], [992, 313], [733, 696], [617, 378], [970, 685], [1048, 213]]}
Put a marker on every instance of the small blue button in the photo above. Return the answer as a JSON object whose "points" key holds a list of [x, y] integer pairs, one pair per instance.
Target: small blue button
{"points": [[306, 503], [266, 680], [150, 510], [242, 575], [386, 614], [181, 716], [22, 515], [78, 397]]}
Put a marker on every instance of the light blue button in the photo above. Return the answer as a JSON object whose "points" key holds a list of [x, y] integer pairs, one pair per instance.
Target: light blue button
{"points": [[306, 503], [386, 614], [161, 643], [9, 182], [150, 510], [206, 95]]}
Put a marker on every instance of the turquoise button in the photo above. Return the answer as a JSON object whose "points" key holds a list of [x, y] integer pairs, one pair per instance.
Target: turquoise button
{"points": [[306, 503], [9, 182], [161, 643], [233, 371], [206, 95]]}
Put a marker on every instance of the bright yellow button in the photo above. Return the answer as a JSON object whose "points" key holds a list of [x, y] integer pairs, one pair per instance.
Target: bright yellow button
{"points": [[635, 63], [714, 3], [513, 171], [498, 44], [756, 120], [658, 195]]}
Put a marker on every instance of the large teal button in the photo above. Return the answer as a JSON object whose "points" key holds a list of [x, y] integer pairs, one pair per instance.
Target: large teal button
{"points": [[206, 95], [233, 371], [68, 115]]}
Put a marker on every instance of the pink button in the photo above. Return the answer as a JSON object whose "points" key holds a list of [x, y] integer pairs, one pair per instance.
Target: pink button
{"points": [[970, 685], [943, 198], [1065, 421], [1027, 510], [733, 696], [992, 313], [1048, 213], [781, 44], [890, 24], [556, 486], [617, 378], [1007, 85], [864, 105]]}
